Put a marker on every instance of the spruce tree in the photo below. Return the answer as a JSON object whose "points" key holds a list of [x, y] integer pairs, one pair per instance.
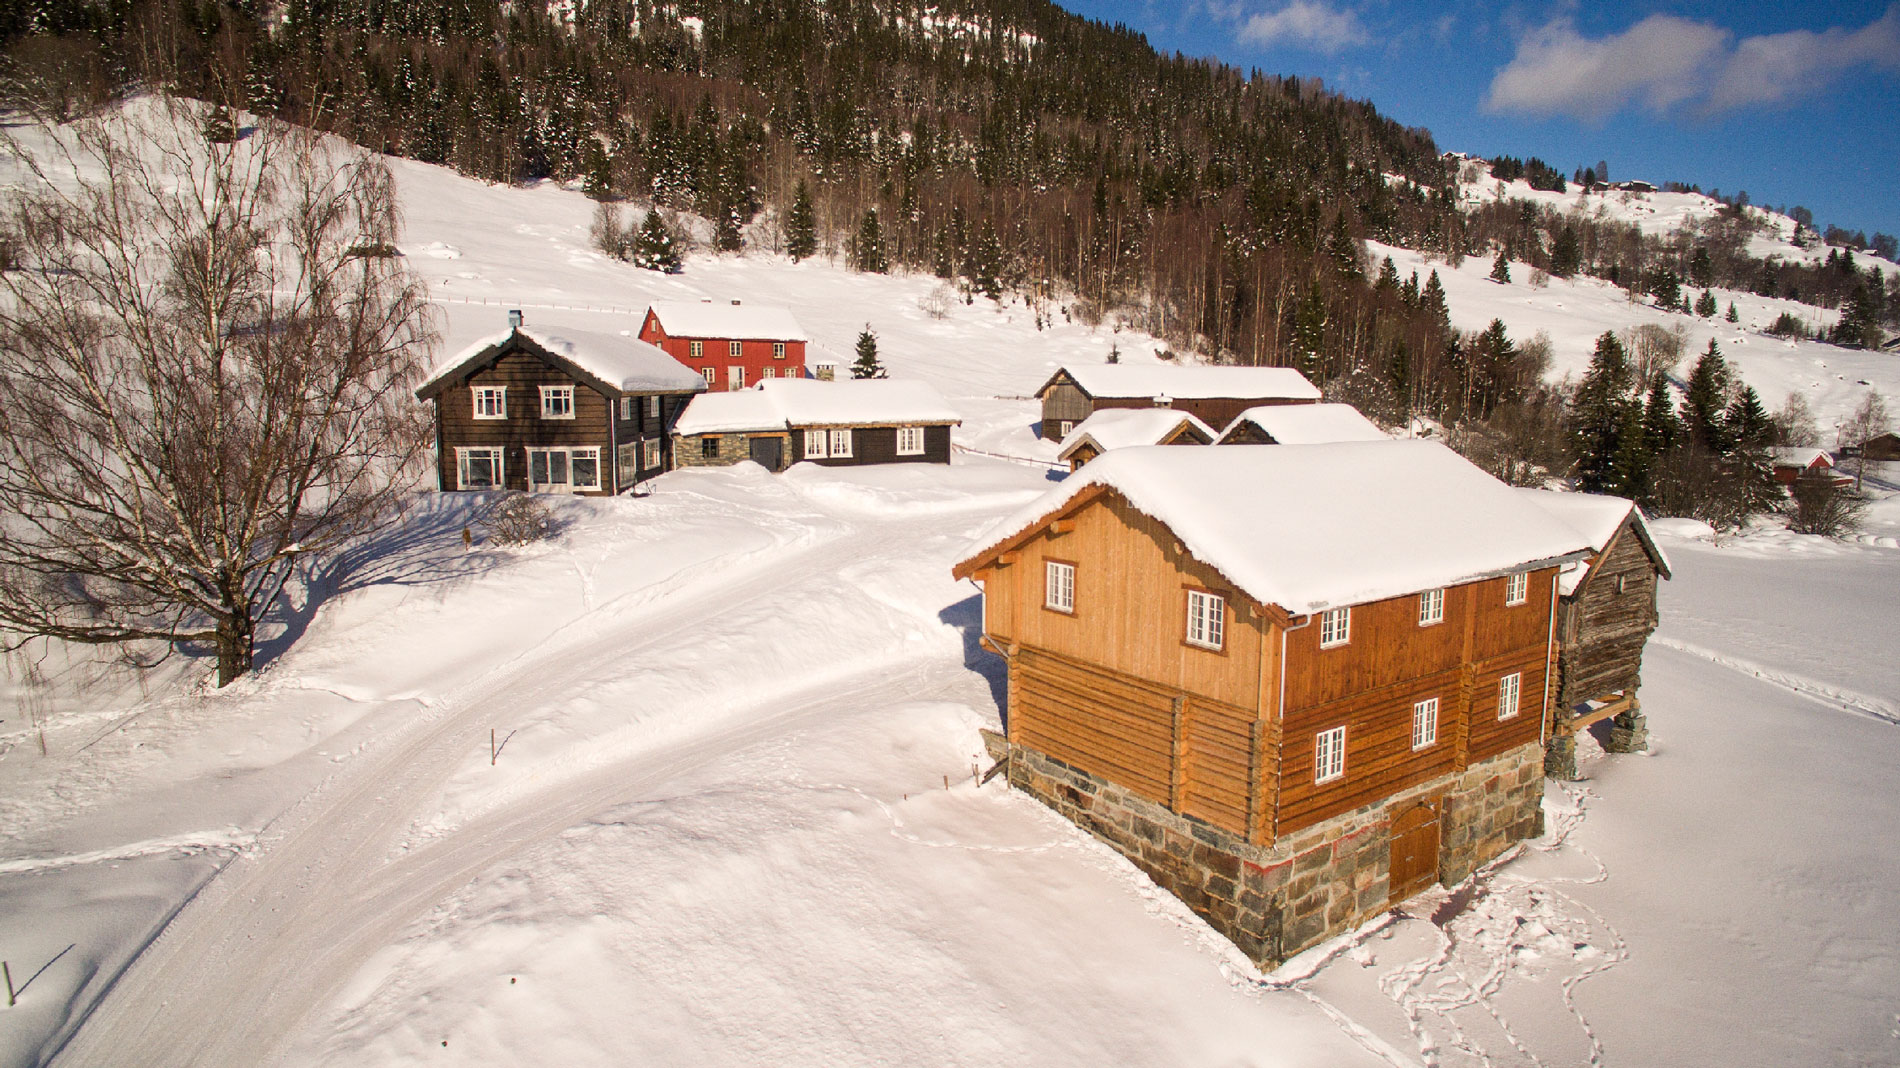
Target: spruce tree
{"points": [[1433, 301], [1705, 304], [1732, 316], [867, 249], [598, 183], [1704, 399], [1662, 429], [1501, 270], [867, 365], [1598, 414], [655, 249], [1566, 256], [801, 226]]}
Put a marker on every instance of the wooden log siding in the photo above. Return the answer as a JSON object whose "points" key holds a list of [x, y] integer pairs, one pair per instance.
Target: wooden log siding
{"points": [[523, 375], [1601, 632], [878, 445]]}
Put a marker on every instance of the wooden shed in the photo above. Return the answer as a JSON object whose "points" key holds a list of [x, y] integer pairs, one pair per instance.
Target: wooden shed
{"points": [[835, 424], [1214, 395], [1606, 613], [555, 410], [1121, 428], [1300, 424], [1291, 708]]}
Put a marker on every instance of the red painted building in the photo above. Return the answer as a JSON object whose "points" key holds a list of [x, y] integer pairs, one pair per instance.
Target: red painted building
{"points": [[732, 346]]}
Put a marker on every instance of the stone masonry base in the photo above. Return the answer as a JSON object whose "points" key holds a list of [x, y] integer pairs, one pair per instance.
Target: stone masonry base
{"points": [[1274, 901]]}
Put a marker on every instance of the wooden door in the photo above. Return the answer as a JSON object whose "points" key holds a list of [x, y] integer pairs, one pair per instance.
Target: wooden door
{"points": [[1414, 852], [765, 452]]}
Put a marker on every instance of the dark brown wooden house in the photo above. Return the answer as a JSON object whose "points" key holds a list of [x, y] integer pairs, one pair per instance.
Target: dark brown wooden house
{"points": [[1214, 395], [1606, 612], [553, 410], [835, 424], [1121, 428], [1300, 424], [1293, 708]]}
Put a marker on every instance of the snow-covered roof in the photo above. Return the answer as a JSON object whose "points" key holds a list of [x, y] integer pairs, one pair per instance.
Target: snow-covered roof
{"points": [[778, 403], [622, 362], [1803, 458], [1596, 518], [732, 320], [1310, 527], [1309, 424], [1156, 380], [1119, 428]]}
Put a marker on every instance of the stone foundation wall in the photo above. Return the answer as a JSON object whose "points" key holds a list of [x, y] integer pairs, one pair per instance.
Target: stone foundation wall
{"points": [[1274, 901], [687, 451]]}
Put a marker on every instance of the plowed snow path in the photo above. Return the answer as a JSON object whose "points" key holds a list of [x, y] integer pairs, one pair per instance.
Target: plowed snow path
{"points": [[332, 881]]}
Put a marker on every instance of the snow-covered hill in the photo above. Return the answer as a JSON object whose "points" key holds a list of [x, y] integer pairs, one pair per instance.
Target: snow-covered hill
{"points": [[733, 817]]}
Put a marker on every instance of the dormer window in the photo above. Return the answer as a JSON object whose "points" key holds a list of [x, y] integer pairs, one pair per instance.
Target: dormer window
{"points": [[557, 402], [491, 402]]}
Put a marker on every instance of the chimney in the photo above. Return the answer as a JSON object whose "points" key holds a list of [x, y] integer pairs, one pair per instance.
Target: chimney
{"points": [[735, 303], [514, 319]]}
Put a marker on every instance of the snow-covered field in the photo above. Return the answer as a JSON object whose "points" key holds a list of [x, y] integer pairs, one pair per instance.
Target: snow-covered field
{"points": [[733, 818]]}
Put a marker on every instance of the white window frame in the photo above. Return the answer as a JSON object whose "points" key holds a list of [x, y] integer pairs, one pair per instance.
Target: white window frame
{"points": [[735, 376], [551, 396], [1329, 755], [1431, 607], [626, 409], [1058, 586], [1065, 428], [769, 372], [1424, 723], [1206, 619], [910, 441], [696, 349], [735, 349], [815, 442], [500, 395], [1335, 627], [841, 442], [1517, 588], [653, 407], [1510, 694], [496, 453], [778, 350], [711, 375], [650, 454], [588, 452]]}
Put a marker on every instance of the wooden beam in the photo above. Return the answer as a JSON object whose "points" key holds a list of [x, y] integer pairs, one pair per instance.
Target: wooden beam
{"points": [[1175, 761], [1061, 527]]}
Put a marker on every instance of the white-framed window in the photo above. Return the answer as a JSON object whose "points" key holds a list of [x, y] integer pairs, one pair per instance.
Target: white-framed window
{"points": [[626, 409], [1058, 586], [710, 375], [557, 402], [491, 402], [769, 372], [583, 466], [653, 407], [1206, 619], [1335, 627], [735, 349], [695, 349], [841, 443], [1066, 427], [778, 350], [478, 468], [1622, 584], [1329, 755], [1424, 722], [815, 444], [563, 470], [650, 454], [1509, 687], [1431, 607], [910, 441], [1517, 587]]}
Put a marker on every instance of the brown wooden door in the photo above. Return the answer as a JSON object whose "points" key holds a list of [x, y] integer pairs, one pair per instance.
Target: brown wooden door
{"points": [[1414, 850]]}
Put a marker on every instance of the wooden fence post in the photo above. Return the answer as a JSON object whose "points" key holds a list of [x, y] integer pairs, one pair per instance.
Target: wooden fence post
{"points": [[8, 969]]}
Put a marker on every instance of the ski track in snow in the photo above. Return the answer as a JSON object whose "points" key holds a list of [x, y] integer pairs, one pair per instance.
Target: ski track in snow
{"points": [[1826, 693], [230, 839]]}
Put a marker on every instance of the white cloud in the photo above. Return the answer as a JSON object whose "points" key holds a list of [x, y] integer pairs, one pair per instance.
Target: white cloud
{"points": [[1304, 24], [1664, 63]]}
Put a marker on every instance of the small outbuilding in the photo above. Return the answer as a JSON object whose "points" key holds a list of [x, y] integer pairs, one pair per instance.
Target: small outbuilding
{"points": [[1794, 464], [555, 410], [1605, 614], [785, 421], [1214, 395], [1882, 447], [1300, 424], [1120, 428]]}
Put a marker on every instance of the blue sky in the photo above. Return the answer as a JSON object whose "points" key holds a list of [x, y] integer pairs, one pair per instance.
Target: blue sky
{"points": [[1797, 103]]}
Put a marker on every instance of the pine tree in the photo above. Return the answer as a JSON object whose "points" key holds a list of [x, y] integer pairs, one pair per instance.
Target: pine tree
{"points": [[655, 249], [1433, 301], [801, 226], [985, 267], [867, 365], [1566, 256], [1704, 399], [1501, 270], [1732, 316], [1747, 422], [867, 249], [598, 183], [1705, 304], [1388, 277], [1666, 288], [1701, 269], [1662, 429], [1598, 414]]}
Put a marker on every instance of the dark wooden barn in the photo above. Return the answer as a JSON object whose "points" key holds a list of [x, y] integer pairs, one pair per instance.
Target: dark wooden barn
{"points": [[1300, 424], [1120, 428], [1214, 395]]}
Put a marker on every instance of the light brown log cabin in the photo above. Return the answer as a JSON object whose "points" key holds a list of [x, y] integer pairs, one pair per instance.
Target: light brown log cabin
{"points": [[1120, 428], [1168, 674]]}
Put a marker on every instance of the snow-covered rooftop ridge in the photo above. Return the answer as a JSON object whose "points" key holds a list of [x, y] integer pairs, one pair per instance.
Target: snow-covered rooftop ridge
{"points": [[779, 403], [1595, 517], [620, 360], [1311, 527], [1120, 428], [1309, 424], [1800, 456], [727, 319], [1190, 382]]}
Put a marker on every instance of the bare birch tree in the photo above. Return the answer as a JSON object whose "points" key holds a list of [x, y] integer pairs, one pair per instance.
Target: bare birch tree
{"points": [[206, 351]]}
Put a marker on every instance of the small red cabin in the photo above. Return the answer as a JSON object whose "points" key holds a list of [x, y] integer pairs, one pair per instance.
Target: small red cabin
{"points": [[731, 346]]}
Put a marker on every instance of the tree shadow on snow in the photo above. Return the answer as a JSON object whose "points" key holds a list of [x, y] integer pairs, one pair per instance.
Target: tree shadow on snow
{"points": [[967, 617]]}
